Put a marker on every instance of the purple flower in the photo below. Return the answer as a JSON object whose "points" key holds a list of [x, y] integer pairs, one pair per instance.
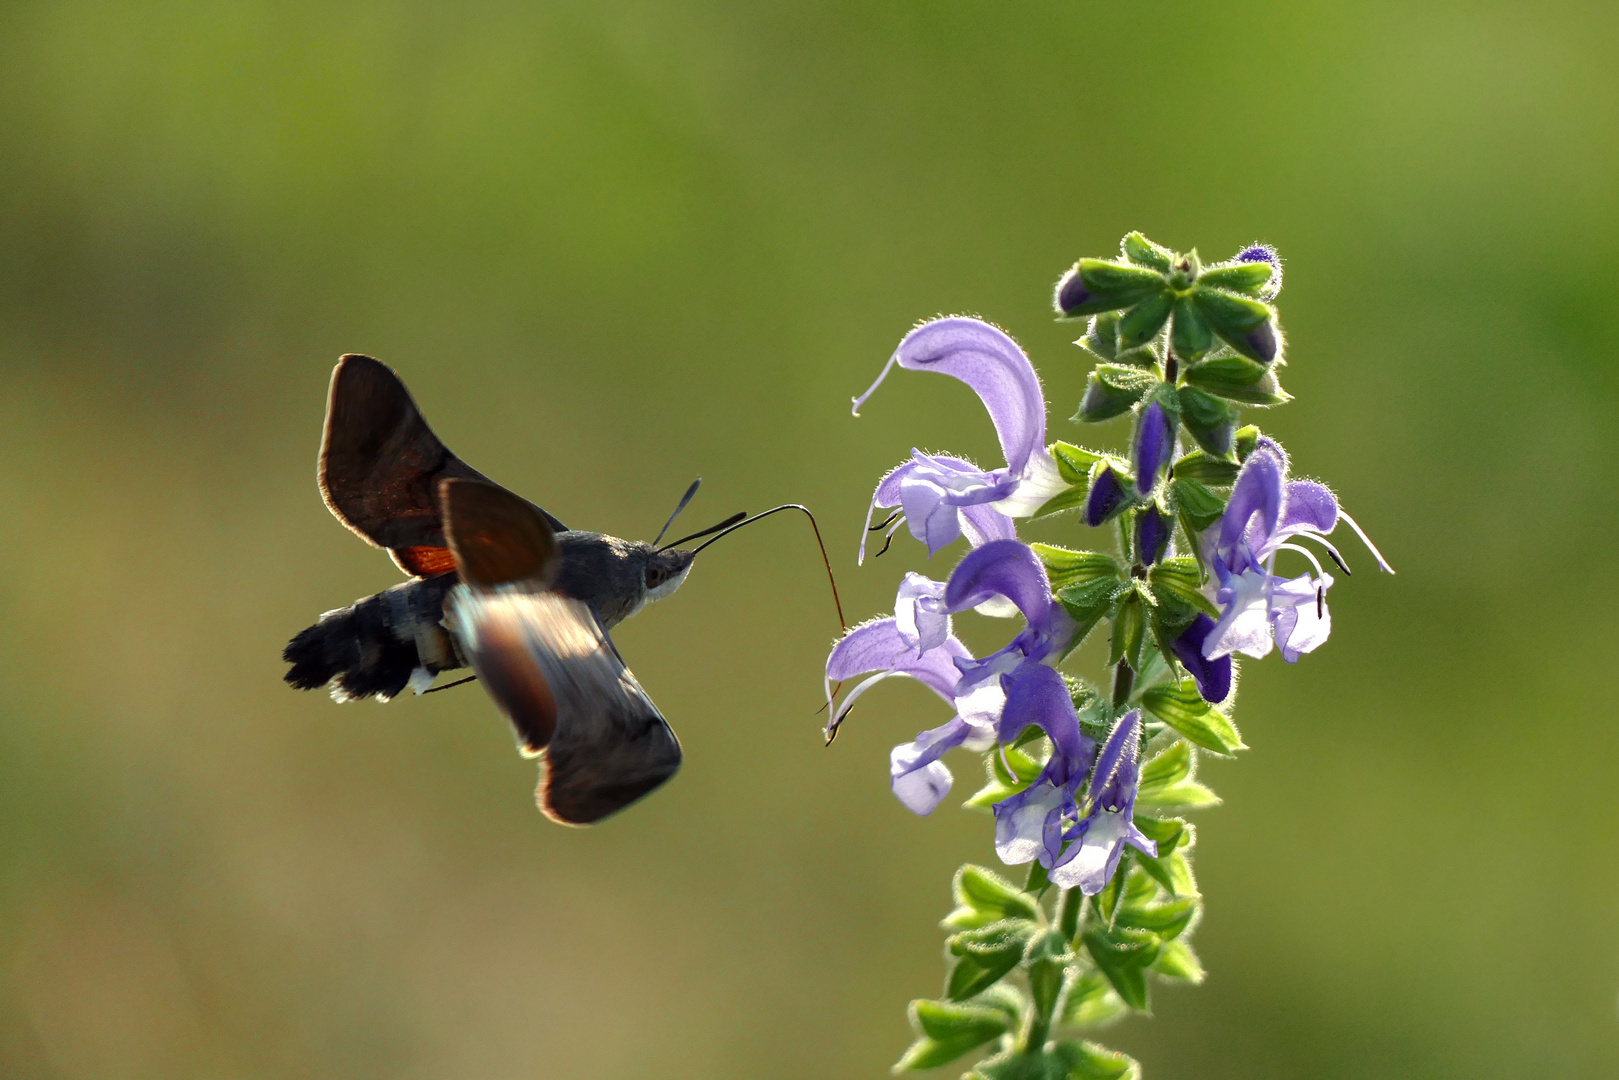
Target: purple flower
{"points": [[1097, 841], [1029, 825], [1265, 513], [1010, 570], [917, 643], [888, 648], [1266, 254], [942, 497], [1154, 445]]}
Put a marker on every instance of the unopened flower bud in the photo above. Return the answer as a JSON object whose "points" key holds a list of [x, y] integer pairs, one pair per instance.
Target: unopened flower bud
{"points": [[1108, 495], [1152, 534]]}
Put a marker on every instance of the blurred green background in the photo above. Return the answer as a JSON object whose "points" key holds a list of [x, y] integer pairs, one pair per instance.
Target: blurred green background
{"points": [[613, 246]]}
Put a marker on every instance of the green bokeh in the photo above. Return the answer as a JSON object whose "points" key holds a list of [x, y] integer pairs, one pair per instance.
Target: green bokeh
{"points": [[613, 246]]}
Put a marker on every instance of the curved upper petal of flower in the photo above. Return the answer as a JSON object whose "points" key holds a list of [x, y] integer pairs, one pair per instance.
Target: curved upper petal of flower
{"points": [[1036, 694], [990, 362], [1258, 493], [1006, 568]]}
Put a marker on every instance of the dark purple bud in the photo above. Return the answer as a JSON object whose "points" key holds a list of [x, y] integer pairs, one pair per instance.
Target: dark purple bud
{"points": [[1154, 444], [1262, 339], [1152, 535], [1106, 496], [1266, 254], [1072, 293], [1213, 676]]}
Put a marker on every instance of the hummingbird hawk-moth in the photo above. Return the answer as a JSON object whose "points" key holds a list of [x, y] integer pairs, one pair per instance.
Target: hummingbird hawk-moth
{"points": [[497, 584]]}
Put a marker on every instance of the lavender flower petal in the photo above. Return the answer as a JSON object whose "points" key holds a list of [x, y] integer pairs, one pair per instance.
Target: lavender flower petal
{"points": [[1006, 568], [918, 778], [1258, 491], [919, 612], [880, 646], [992, 364], [1036, 694]]}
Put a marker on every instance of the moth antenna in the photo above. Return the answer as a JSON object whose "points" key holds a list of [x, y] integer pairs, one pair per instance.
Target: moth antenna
{"points": [[825, 559], [448, 685], [684, 499], [884, 523]]}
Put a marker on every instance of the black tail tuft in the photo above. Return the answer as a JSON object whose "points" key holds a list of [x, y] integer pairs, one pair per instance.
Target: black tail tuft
{"points": [[355, 651]]}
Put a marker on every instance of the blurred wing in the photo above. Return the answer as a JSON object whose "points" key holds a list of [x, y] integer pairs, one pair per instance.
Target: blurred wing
{"points": [[381, 466], [547, 662]]}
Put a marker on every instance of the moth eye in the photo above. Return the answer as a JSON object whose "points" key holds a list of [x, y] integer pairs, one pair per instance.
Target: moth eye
{"points": [[655, 577]]}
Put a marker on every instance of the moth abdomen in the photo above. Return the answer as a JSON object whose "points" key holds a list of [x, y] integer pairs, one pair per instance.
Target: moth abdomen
{"points": [[377, 646]]}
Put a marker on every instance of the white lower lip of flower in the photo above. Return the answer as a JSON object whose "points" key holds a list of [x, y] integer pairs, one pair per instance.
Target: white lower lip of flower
{"points": [[1039, 483]]}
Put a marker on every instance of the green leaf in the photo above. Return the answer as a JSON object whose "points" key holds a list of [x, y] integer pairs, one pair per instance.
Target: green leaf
{"points": [[1166, 833], [1045, 960], [1119, 283], [986, 955], [1087, 603], [1068, 499], [1170, 767], [1107, 901], [1178, 961], [1186, 795], [1166, 920], [1112, 390], [1012, 1065], [1067, 567], [1207, 469], [946, 1031], [1247, 441], [1143, 321], [1101, 337], [1177, 580], [1088, 1061], [1074, 462], [1237, 378], [1233, 317], [1183, 708], [1123, 954], [983, 897], [1248, 278], [1143, 252], [1002, 784], [1129, 630], [1172, 871], [1091, 1001], [1190, 337], [1196, 503], [1211, 421]]}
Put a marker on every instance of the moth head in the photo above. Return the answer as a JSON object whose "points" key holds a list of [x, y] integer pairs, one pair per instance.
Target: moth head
{"points": [[666, 570]]}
